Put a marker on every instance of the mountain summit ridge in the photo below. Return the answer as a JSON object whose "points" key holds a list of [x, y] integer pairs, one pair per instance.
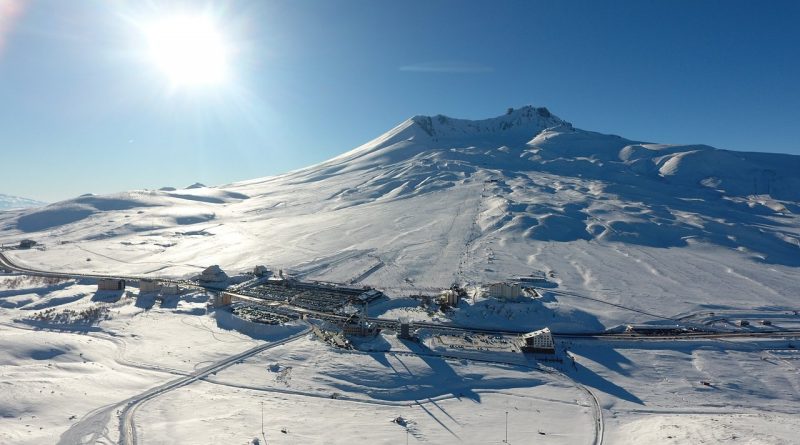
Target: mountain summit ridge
{"points": [[526, 118]]}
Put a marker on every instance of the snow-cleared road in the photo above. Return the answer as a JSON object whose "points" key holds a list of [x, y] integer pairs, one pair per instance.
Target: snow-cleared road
{"points": [[92, 428]]}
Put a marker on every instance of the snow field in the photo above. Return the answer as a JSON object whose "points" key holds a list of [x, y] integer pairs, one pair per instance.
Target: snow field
{"points": [[444, 401]]}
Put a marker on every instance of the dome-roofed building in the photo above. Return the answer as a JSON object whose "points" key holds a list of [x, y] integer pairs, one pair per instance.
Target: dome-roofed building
{"points": [[213, 274]]}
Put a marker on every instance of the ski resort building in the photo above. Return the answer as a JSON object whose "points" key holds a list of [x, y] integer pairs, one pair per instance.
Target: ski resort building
{"points": [[222, 299], [261, 271], [359, 325], [405, 329], [449, 297], [213, 274], [110, 284], [27, 244], [369, 296], [539, 341], [505, 290], [530, 280], [360, 329]]}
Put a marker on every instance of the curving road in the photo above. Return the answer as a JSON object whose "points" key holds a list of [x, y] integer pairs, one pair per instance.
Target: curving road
{"points": [[93, 427]]}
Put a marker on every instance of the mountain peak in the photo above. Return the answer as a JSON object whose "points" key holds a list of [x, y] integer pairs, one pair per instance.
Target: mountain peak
{"points": [[528, 119]]}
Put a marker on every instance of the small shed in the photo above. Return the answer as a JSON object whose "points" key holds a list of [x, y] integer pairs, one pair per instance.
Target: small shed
{"points": [[27, 244], [213, 274], [505, 290], [261, 271], [539, 341], [110, 284], [149, 286]]}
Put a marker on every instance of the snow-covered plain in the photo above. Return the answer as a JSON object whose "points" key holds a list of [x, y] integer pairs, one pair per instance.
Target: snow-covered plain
{"points": [[63, 382], [626, 231]]}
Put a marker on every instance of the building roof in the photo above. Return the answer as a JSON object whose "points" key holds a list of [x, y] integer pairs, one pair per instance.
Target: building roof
{"points": [[545, 331], [211, 270]]}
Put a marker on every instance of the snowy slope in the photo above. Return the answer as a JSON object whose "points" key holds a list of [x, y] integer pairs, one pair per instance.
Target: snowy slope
{"points": [[8, 202], [626, 231], [436, 200]]}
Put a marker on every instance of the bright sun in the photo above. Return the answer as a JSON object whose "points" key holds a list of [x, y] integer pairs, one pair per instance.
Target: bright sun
{"points": [[189, 50]]}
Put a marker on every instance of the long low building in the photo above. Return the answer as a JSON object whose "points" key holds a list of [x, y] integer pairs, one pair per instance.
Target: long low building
{"points": [[110, 284], [505, 290], [149, 286]]}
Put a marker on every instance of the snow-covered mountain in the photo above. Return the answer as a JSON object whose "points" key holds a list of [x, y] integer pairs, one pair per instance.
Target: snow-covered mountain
{"points": [[437, 200], [8, 202]]}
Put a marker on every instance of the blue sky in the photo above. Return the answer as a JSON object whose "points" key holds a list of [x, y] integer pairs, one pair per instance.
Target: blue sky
{"points": [[82, 109]]}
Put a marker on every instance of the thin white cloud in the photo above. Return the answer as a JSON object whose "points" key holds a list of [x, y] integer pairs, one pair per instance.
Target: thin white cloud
{"points": [[9, 11], [446, 67]]}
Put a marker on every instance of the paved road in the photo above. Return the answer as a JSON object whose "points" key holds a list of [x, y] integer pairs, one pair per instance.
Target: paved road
{"points": [[6, 263]]}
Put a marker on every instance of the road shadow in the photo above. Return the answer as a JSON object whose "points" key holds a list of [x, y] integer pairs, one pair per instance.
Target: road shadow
{"points": [[107, 296], [587, 377]]}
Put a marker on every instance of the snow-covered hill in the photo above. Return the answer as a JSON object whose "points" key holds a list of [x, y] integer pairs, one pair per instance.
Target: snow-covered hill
{"points": [[436, 200], [15, 202]]}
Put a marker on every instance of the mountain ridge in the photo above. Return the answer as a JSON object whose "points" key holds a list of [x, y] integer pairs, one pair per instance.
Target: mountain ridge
{"points": [[8, 202]]}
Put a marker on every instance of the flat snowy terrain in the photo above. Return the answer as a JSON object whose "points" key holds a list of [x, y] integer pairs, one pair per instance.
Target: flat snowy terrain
{"points": [[624, 231]]}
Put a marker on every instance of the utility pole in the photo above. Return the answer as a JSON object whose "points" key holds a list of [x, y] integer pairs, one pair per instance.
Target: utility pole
{"points": [[264, 436], [505, 441]]}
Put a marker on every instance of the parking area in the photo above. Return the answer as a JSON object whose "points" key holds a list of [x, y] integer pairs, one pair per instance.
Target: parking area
{"points": [[274, 315], [317, 297], [478, 342]]}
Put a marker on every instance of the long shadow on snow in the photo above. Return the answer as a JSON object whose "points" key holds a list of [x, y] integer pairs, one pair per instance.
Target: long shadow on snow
{"points": [[39, 290], [587, 377], [608, 356], [107, 296], [440, 379]]}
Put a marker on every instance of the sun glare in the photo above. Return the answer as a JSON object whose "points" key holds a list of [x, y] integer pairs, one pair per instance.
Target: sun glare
{"points": [[189, 50]]}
